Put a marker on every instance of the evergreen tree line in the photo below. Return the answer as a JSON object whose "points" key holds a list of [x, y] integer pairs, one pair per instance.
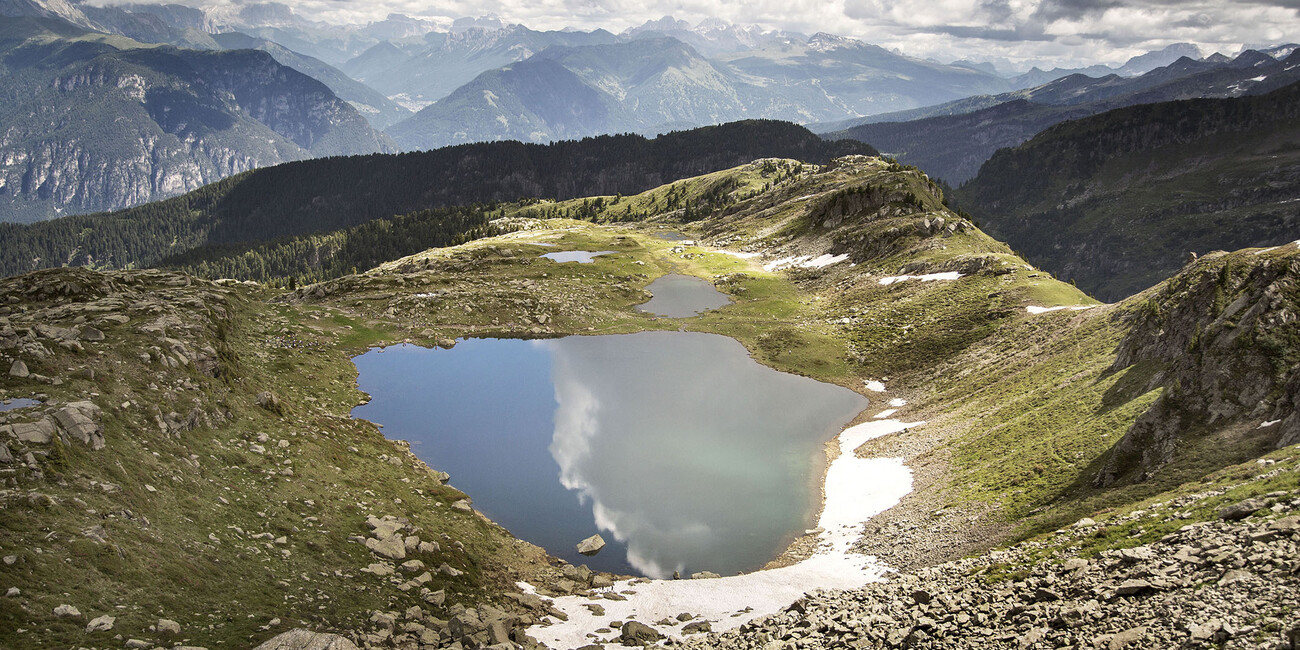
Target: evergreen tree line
{"points": [[312, 258], [329, 194]]}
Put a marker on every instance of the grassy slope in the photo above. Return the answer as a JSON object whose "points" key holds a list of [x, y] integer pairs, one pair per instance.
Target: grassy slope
{"points": [[176, 552], [1022, 407]]}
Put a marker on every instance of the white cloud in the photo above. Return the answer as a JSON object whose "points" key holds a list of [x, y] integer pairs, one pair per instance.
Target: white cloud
{"points": [[1052, 32]]}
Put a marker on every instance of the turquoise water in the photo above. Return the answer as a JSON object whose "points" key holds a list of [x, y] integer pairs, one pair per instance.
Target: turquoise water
{"points": [[680, 450]]}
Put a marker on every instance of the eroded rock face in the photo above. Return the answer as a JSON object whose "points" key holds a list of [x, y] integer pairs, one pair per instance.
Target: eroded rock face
{"points": [[1221, 338]]}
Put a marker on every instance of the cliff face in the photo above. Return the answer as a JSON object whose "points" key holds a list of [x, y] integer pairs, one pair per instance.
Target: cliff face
{"points": [[99, 122], [1221, 339]]}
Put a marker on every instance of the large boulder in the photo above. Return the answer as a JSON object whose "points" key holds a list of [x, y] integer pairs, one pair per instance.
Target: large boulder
{"points": [[300, 639], [591, 545], [81, 421], [392, 548], [638, 633], [100, 624], [40, 432]]}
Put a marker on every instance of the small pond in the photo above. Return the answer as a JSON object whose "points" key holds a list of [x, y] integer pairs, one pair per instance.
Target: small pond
{"points": [[581, 257], [682, 296], [673, 236], [17, 403], [677, 447]]}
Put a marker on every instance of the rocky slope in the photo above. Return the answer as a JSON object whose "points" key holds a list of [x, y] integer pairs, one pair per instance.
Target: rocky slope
{"points": [[1225, 583], [100, 122], [200, 503], [1222, 330], [1127, 194]]}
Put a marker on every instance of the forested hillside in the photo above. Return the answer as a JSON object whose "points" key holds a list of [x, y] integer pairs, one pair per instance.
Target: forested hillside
{"points": [[334, 193], [1116, 201]]}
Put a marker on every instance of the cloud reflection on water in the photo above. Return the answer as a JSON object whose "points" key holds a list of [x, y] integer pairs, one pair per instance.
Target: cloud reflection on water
{"points": [[687, 458]]}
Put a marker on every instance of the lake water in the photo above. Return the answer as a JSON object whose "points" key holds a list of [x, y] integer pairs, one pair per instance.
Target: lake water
{"points": [[682, 296], [581, 257], [17, 403], [680, 450], [673, 236]]}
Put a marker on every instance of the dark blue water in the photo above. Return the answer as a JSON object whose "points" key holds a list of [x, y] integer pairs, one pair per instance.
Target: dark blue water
{"points": [[680, 450], [682, 296]]}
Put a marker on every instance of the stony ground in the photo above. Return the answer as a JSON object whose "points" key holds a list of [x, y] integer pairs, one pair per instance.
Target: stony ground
{"points": [[1233, 582]]}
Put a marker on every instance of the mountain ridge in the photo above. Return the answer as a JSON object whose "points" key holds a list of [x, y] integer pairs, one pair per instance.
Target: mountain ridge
{"points": [[953, 146], [1132, 191], [180, 118], [331, 193]]}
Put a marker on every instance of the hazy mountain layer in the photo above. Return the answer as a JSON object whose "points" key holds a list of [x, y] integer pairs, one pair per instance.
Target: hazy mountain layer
{"points": [[97, 122], [960, 136]]}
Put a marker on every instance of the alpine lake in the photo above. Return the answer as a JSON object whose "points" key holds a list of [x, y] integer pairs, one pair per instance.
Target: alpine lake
{"points": [[680, 450]]}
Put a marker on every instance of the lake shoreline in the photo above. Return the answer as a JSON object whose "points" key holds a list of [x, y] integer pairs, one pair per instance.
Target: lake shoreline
{"points": [[855, 490]]}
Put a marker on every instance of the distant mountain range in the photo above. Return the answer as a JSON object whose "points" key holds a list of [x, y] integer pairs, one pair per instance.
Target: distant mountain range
{"points": [[950, 141], [95, 122], [427, 83], [1116, 201], [654, 82]]}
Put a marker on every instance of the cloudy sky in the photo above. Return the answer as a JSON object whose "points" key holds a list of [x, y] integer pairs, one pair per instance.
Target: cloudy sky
{"points": [[1053, 31]]}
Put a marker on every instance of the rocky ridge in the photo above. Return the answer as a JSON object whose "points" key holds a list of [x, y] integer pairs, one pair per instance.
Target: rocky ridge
{"points": [[101, 122], [1219, 332]]}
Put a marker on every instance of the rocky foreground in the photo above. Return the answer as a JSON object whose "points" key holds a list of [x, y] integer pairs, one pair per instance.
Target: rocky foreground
{"points": [[1231, 582]]}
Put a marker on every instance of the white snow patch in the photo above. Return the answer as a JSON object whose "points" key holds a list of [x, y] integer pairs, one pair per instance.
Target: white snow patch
{"points": [[929, 277], [874, 385], [824, 261], [805, 262], [1043, 310], [1267, 424], [884, 414], [783, 263], [897, 402], [1259, 78], [856, 490]]}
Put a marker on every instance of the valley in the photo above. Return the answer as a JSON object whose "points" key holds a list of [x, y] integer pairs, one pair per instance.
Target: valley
{"points": [[218, 453]]}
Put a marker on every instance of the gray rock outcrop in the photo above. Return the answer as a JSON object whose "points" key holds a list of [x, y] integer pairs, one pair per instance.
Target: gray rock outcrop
{"points": [[591, 545], [300, 639]]}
